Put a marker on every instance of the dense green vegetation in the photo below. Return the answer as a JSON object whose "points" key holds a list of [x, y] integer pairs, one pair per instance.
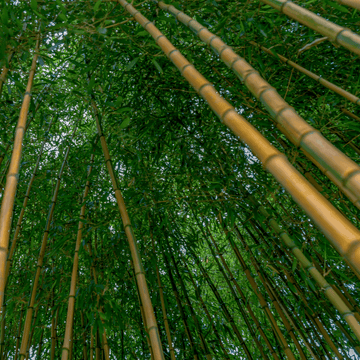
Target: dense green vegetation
{"points": [[186, 180]]}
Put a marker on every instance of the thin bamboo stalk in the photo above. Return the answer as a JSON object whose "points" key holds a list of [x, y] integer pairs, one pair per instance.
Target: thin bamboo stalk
{"points": [[223, 306], [162, 299], [152, 328], [12, 177], [41, 256], [198, 295], [232, 278], [54, 322], [203, 342], [336, 166], [181, 309], [84, 336], [19, 332], [71, 305], [335, 33], [344, 236], [328, 290], [345, 94], [4, 72]]}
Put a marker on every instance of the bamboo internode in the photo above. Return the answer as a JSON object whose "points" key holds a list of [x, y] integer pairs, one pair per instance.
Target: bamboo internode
{"points": [[352, 3], [344, 236], [344, 172], [12, 177], [335, 33]]}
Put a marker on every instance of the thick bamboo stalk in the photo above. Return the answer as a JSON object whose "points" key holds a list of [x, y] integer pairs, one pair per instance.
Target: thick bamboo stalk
{"points": [[41, 256], [352, 3], [162, 300], [340, 169], [12, 177], [152, 328], [21, 216], [344, 236], [71, 304], [333, 32]]}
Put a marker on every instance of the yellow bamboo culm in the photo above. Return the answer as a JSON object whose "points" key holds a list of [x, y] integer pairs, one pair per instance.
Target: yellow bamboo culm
{"points": [[71, 305], [151, 325], [12, 176], [344, 172], [343, 235], [335, 33], [352, 3]]}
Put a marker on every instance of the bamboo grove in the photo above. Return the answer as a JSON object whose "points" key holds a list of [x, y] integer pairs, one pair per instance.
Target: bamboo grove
{"points": [[179, 180]]}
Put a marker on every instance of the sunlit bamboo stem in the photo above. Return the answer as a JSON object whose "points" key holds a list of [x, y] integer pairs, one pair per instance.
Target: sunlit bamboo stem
{"points": [[343, 235], [139, 271], [12, 177]]}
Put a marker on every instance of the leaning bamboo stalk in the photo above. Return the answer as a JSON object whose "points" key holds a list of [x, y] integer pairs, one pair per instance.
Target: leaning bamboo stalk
{"points": [[12, 177], [41, 255], [333, 32], [343, 235], [162, 300], [340, 169], [21, 216], [352, 3], [345, 94], [139, 271], [71, 304], [5, 71]]}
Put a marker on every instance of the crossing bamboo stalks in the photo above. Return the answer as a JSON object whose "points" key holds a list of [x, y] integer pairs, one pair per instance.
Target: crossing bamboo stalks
{"points": [[203, 342], [162, 300], [152, 328], [328, 290], [181, 309], [232, 278], [223, 306], [345, 94], [203, 305], [12, 177], [21, 216], [40, 261], [71, 305], [261, 298], [344, 236], [335, 33], [344, 172]]}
